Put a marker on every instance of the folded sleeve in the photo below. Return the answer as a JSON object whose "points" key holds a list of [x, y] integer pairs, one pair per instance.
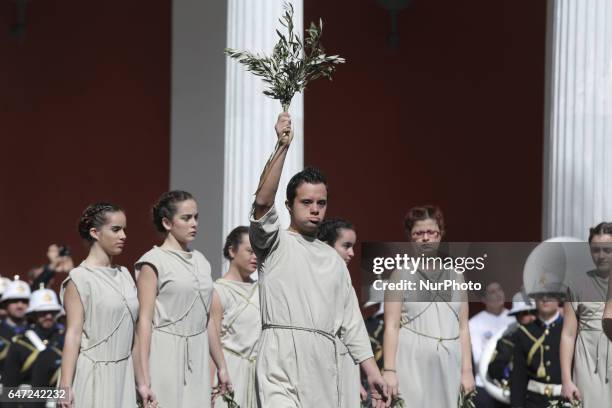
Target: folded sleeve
{"points": [[264, 232]]}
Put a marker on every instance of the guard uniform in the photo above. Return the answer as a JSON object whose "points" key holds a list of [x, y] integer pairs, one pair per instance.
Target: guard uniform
{"points": [[46, 368], [24, 352], [28, 348], [500, 366], [13, 290], [536, 373]]}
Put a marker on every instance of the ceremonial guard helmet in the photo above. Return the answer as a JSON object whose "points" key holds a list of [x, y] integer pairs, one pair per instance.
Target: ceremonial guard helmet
{"points": [[16, 289], [43, 300]]}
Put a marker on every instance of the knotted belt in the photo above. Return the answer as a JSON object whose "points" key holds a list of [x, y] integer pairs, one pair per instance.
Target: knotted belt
{"points": [[251, 383], [186, 356], [96, 365], [583, 326], [331, 337]]}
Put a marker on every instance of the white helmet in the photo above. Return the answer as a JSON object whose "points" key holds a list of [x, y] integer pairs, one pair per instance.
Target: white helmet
{"points": [[16, 289], [3, 284], [521, 303], [43, 300]]}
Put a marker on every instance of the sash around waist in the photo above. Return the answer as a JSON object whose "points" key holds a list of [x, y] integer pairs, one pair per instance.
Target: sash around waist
{"points": [[172, 333], [328, 335]]}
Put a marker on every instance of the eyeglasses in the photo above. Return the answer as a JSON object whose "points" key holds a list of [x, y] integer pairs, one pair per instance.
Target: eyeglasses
{"points": [[430, 233]]}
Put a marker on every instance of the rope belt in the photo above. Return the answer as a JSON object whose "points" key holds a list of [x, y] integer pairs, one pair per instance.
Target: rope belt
{"points": [[440, 340], [186, 357], [96, 364], [325, 334]]}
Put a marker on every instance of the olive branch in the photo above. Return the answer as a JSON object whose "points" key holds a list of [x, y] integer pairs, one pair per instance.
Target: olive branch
{"points": [[558, 404], [293, 63], [466, 400], [396, 402]]}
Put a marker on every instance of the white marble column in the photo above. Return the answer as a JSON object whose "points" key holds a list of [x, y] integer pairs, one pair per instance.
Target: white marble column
{"points": [[250, 116], [578, 139], [197, 122]]}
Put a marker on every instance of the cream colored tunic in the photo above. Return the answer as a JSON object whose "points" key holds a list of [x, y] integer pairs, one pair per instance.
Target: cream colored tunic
{"points": [[179, 367], [240, 332], [104, 370], [428, 360], [592, 360], [306, 300], [351, 379]]}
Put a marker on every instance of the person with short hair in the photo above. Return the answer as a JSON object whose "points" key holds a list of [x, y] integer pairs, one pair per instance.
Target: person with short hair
{"points": [[15, 299], [500, 365], [175, 333], [3, 284], [43, 333], [536, 373], [101, 305], [236, 315], [426, 351], [306, 296], [586, 363]]}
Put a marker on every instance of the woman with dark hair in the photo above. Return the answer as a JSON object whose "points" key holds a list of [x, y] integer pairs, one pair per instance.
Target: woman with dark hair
{"points": [[235, 313], [174, 290], [426, 349], [586, 364], [101, 308], [340, 235]]}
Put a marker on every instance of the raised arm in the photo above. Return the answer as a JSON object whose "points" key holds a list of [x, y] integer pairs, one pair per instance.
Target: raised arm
{"points": [[270, 177], [75, 316], [146, 282]]}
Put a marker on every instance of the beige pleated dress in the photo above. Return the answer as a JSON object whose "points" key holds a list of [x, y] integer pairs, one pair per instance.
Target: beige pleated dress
{"points": [[306, 300], [104, 374], [240, 332], [179, 367], [428, 360], [592, 372]]}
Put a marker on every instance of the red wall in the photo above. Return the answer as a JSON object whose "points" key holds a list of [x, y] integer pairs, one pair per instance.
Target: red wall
{"points": [[84, 116], [453, 117]]}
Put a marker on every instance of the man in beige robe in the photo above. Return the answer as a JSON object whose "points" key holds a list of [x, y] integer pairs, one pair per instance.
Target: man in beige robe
{"points": [[306, 296]]}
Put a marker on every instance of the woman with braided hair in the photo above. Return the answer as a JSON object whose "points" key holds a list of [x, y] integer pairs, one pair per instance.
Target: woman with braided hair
{"points": [[174, 290], [101, 308], [236, 315]]}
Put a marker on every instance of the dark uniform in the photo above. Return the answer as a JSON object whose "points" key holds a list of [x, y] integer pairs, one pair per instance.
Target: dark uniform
{"points": [[536, 373], [23, 354], [7, 332], [500, 366], [46, 368]]}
